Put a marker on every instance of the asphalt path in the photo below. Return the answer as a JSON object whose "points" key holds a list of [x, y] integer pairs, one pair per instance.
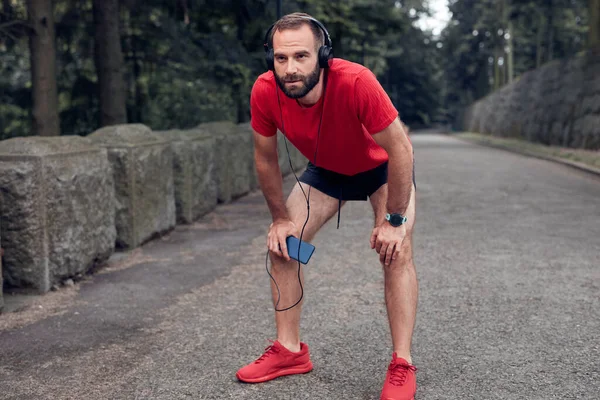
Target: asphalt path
{"points": [[507, 251]]}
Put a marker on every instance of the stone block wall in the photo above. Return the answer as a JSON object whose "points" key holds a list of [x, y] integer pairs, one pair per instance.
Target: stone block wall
{"points": [[233, 153], [557, 104], [142, 164], [56, 209], [298, 161], [193, 173], [246, 131], [67, 203]]}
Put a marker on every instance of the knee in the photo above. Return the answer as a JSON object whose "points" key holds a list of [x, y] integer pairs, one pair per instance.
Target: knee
{"points": [[402, 263], [276, 261]]}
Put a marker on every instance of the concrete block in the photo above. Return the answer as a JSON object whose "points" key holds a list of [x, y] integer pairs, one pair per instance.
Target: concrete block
{"points": [[253, 176], [57, 209], [142, 162], [193, 173], [284, 163], [298, 160], [233, 158]]}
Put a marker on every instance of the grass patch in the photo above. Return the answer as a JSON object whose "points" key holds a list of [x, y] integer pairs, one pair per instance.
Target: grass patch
{"points": [[587, 157]]}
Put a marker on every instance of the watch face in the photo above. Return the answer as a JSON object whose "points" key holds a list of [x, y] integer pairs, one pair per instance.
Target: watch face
{"points": [[397, 219]]}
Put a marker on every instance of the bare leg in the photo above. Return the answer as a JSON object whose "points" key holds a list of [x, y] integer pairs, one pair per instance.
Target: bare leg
{"points": [[322, 208], [401, 287]]}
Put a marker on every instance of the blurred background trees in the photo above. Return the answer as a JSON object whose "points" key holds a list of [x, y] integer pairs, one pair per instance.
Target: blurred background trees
{"points": [[71, 66], [489, 43]]}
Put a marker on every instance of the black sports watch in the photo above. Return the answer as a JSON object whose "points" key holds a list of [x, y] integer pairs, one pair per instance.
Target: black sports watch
{"points": [[395, 219]]}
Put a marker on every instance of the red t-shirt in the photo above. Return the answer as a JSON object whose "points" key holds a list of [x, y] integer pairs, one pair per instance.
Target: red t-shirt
{"points": [[356, 107]]}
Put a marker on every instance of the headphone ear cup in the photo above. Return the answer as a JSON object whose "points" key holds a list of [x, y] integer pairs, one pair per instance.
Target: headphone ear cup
{"points": [[325, 54], [270, 58]]}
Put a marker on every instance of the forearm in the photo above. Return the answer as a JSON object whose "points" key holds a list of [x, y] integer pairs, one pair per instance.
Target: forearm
{"points": [[400, 179], [271, 184]]}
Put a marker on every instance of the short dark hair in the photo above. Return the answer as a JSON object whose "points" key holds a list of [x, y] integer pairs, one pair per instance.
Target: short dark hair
{"points": [[295, 21]]}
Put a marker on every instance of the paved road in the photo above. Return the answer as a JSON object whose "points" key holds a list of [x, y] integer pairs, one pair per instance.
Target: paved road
{"points": [[508, 258]]}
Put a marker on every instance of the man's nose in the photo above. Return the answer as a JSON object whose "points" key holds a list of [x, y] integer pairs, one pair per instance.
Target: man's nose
{"points": [[292, 68]]}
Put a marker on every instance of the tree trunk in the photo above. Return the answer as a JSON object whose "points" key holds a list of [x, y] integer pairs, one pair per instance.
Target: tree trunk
{"points": [[109, 63], [496, 68], [594, 29], [137, 73], [131, 52], [538, 48], [6, 14], [509, 62], [510, 55], [6, 17], [364, 52], [550, 32], [241, 21], [185, 10], [43, 68], [482, 85]]}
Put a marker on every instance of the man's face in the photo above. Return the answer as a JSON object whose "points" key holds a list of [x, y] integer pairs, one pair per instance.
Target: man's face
{"points": [[296, 63]]}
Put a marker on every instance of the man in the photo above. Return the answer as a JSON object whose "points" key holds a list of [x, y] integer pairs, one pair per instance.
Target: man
{"points": [[338, 115]]}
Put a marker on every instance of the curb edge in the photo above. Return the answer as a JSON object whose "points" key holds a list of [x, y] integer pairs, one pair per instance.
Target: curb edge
{"points": [[573, 164]]}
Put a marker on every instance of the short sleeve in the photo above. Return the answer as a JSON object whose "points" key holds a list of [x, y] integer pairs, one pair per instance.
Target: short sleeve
{"points": [[260, 120], [373, 105]]}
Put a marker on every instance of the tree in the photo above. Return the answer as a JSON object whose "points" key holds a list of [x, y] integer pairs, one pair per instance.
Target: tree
{"points": [[546, 30], [43, 68], [109, 63], [178, 63], [489, 42], [594, 24]]}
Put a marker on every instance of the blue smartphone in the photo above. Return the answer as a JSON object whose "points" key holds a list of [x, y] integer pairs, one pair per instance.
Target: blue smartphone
{"points": [[306, 249]]}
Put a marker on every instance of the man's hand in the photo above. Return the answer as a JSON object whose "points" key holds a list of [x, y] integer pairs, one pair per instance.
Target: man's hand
{"points": [[386, 240], [278, 232]]}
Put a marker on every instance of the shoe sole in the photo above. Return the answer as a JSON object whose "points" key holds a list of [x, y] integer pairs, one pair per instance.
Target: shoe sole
{"points": [[389, 398], [300, 369]]}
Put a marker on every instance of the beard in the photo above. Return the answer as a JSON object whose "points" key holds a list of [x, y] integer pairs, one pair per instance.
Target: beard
{"points": [[308, 83]]}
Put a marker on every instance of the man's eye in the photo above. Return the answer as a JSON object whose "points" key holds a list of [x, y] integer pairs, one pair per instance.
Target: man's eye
{"points": [[280, 58], [302, 56]]}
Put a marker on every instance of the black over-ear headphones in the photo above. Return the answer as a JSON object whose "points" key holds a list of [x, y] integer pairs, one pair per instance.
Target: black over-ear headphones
{"points": [[325, 51]]}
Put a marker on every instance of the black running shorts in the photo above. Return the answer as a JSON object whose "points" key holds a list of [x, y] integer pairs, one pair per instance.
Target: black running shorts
{"points": [[343, 187]]}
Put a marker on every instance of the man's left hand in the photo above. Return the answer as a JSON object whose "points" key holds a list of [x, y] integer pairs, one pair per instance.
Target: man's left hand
{"points": [[387, 240]]}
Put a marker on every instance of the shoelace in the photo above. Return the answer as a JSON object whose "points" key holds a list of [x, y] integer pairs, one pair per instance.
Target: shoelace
{"points": [[268, 351], [398, 373]]}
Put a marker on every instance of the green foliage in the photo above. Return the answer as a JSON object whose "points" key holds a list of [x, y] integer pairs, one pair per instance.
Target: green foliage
{"points": [[185, 103], [476, 44], [193, 64], [188, 62], [15, 81], [379, 34]]}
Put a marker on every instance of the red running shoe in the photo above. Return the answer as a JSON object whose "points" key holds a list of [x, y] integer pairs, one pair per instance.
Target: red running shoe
{"points": [[400, 380], [275, 362]]}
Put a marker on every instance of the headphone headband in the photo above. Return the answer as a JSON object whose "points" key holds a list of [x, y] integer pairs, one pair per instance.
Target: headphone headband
{"points": [[325, 52], [311, 19]]}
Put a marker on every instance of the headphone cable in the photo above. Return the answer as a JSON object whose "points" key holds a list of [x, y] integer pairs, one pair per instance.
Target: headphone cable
{"points": [[325, 76]]}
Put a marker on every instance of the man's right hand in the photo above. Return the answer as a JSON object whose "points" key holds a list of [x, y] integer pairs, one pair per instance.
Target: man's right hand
{"points": [[278, 233]]}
